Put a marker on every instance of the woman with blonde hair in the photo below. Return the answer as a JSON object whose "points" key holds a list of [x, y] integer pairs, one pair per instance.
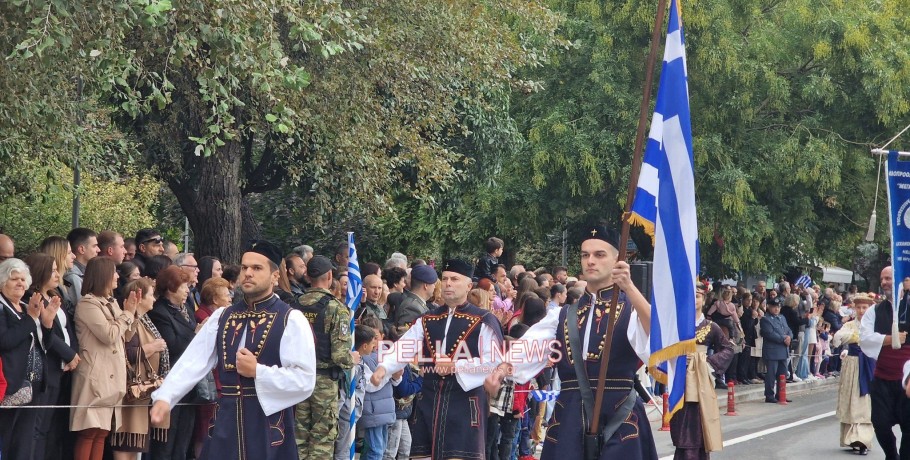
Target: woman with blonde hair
{"points": [[58, 247], [479, 297], [133, 435]]}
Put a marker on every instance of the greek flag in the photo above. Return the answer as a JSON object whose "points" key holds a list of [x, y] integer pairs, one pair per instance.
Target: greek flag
{"points": [[544, 395], [665, 205], [352, 299], [804, 281]]}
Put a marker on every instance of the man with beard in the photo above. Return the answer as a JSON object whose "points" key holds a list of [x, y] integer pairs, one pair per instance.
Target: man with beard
{"points": [[263, 351], [456, 343], [296, 268]]}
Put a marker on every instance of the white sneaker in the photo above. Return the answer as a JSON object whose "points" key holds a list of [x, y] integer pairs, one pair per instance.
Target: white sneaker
{"points": [[797, 379]]}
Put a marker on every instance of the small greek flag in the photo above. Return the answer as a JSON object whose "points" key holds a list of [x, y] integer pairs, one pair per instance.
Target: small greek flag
{"points": [[352, 299], [544, 395], [804, 281]]}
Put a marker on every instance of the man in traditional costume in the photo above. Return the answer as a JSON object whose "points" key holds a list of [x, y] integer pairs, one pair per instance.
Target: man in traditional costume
{"points": [[264, 353], [456, 344], [854, 405], [889, 406], [626, 431], [695, 429]]}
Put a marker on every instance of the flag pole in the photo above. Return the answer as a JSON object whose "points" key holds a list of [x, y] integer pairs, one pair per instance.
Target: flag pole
{"points": [[630, 197]]}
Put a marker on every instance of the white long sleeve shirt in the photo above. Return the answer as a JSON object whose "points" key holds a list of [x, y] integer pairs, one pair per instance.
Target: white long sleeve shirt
{"points": [[870, 341], [544, 332], [470, 373], [277, 387]]}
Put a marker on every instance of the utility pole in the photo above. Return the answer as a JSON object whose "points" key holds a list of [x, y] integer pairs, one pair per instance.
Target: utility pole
{"points": [[77, 176], [186, 234]]}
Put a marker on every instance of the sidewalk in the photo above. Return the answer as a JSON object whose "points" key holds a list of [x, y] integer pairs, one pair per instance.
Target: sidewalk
{"points": [[756, 392]]}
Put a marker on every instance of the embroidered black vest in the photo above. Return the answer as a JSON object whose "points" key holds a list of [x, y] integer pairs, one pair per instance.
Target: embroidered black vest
{"points": [[464, 328], [623, 360], [264, 324]]}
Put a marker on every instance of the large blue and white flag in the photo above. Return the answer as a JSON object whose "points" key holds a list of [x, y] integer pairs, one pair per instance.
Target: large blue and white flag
{"points": [[352, 299], [665, 205]]}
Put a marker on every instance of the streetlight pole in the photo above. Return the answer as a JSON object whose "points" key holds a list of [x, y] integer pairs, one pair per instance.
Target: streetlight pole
{"points": [[77, 175]]}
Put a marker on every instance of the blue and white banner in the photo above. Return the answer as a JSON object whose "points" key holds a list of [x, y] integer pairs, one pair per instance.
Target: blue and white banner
{"points": [[804, 281], [898, 174], [352, 299], [544, 395], [665, 205]]}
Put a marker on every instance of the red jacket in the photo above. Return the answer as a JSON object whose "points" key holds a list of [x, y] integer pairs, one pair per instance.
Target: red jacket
{"points": [[2, 382], [522, 393]]}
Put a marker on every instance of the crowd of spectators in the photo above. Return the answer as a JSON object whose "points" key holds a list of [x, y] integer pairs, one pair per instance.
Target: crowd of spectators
{"points": [[86, 312], [812, 315]]}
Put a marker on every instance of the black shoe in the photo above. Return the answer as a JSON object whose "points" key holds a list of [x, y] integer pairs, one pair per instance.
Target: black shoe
{"points": [[771, 400]]}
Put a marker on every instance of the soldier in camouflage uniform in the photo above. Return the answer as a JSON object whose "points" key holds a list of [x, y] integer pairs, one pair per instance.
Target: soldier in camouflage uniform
{"points": [[317, 417]]}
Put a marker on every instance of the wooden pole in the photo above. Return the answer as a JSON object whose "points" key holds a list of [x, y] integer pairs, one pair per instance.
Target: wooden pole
{"points": [[630, 194]]}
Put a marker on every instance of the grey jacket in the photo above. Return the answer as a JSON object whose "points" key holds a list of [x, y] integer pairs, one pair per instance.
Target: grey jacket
{"points": [[379, 406], [73, 279]]}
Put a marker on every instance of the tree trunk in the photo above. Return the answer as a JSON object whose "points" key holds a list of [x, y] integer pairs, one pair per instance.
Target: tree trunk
{"points": [[214, 206], [250, 228]]}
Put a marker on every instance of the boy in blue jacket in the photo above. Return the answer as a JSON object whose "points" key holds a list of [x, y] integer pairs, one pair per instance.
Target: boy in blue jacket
{"points": [[378, 402]]}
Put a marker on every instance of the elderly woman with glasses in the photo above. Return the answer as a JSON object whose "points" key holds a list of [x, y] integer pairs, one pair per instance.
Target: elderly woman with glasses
{"points": [[25, 330]]}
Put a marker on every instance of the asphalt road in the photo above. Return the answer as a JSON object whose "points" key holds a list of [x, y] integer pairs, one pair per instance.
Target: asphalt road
{"points": [[806, 428]]}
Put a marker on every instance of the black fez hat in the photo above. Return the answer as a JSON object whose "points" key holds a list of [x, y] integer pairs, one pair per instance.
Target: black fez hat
{"points": [[318, 266], [599, 232], [459, 266], [269, 250]]}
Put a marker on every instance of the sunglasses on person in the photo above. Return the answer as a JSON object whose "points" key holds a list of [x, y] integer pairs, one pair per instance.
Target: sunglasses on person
{"points": [[155, 240]]}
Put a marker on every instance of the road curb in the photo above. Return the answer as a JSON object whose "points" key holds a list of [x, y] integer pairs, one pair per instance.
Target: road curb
{"points": [[756, 392]]}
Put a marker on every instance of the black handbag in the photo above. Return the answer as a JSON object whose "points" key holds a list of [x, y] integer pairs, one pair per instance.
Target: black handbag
{"points": [[34, 368]]}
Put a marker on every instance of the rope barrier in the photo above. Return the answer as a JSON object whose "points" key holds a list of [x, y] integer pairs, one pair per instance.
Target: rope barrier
{"points": [[89, 406]]}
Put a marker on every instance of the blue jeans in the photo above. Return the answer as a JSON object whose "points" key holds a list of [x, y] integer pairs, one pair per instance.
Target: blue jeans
{"points": [[376, 439]]}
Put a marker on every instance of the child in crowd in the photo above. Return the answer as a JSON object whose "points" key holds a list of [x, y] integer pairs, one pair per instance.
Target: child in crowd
{"points": [[378, 402], [486, 266], [502, 423], [521, 408], [399, 445], [823, 349], [365, 343]]}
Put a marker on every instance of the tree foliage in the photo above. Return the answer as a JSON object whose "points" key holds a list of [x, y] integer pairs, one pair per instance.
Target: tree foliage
{"points": [[126, 205], [786, 102], [231, 98], [429, 126]]}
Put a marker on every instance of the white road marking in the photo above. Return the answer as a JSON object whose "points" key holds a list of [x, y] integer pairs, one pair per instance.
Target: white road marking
{"points": [[759, 434]]}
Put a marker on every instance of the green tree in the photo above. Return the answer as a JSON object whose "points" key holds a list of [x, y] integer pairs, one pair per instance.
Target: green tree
{"points": [[787, 98], [227, 98], [125, 205]]}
